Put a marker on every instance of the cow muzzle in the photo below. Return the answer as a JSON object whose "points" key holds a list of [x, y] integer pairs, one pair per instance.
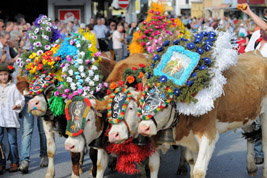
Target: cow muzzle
{"points": [[144, 130]]}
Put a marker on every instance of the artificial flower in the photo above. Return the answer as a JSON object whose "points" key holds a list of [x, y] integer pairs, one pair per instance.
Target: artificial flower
{"points": [[10, 67], [91, 83], [33, 55], [134, 68], [141, 74], [81, 68], [47, 47], [207, 48], [28, 60], [142, 65], [70, 72], [130, 79], [79, 61], [113, 85], [91, 73], [207, 60], [163, 78], [83, 74], [190, 82], [200, 51], [94, 67], [69, 79], [176, 92], [21, 64], [18, 60], [96, 78], [190, 45], [202, 67]]}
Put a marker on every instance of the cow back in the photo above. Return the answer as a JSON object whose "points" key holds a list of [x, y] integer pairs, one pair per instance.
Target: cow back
{"points": [[131, 61], [106, 66]]}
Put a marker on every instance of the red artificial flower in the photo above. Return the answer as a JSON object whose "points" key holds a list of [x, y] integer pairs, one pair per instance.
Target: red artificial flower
{"points": [[143, 43], [142, 65], [134, 68], [120, 83], [39, 67], [10, 67], [48, 53], [108, 92]]}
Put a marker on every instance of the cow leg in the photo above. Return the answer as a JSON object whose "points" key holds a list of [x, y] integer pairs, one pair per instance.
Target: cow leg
{"points": [[81, 162], [93, 156], [102, 162], [75, 158], [183, 165], [154, 163], [51, 148], [251, 166], [263, 118], [191, 159], [206, 148]]}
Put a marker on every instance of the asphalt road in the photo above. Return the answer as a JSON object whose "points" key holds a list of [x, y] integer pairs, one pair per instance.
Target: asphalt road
{"points": [[228, 161]]}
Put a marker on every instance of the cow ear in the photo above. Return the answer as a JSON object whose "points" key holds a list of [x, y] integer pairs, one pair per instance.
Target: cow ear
{"points": [[101, 106]]}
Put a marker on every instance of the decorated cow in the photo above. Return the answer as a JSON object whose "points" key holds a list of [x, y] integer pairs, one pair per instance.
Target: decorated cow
{"points": [[43, 66]]}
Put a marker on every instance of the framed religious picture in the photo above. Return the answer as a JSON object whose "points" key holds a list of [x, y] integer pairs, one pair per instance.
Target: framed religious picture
{"points": [[177, 64]]}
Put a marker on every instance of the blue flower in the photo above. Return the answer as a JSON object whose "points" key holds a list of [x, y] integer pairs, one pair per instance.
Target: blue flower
{"points": [[204, 33], [207, 48], [194, 75], [184, 39], [199, 37], [207, 60], [163, 79], [148, 75], [152, 65], [212, 33], [80, 81], [200, 51], [197, 41], [190, 82], [76, 73], [166, 43], [176, 42], [202, 67], [78, 77], [190, 45], [211, 38], [208, 42], [160, 49], [176, 92], [156, 57]]}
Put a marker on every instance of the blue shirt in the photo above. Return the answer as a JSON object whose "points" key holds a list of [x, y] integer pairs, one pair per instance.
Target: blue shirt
{"points": [[100, 31]]}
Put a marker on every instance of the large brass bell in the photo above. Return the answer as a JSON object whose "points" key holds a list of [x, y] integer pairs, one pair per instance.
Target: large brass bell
{"points": [[141, 140], [165, 136], [97, 143]]}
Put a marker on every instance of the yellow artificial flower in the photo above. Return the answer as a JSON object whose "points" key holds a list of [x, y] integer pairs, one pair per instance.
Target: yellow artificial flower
{"points": [[92, 38], [28, 66], [51, 63], [33, 70], [44, 61], [33, 55]]}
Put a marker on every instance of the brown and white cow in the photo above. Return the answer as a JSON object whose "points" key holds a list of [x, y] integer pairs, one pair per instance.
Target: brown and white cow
{"points": [[244, 100], [38, 107], [93, 128]]}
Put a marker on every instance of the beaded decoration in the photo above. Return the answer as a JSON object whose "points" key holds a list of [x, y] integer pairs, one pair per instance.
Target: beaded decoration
{"points": [[147, 110], [76, 111], [40, 83], [117, 104]]}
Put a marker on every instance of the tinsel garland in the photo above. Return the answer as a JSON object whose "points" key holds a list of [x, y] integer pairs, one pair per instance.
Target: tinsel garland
{"points": [[129, 154], [56, 105]]}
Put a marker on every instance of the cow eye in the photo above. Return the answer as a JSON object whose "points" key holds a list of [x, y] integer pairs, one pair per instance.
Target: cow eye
{"points": [[88, 120], [130, 108]]}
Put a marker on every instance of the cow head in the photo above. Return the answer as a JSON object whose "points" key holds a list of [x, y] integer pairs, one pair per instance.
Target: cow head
{"points": [[151, 123], [93, 120], [121, 131], [41, 88]]}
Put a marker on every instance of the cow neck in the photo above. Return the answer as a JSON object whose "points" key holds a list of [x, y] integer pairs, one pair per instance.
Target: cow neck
{"points": [[172, 121]]}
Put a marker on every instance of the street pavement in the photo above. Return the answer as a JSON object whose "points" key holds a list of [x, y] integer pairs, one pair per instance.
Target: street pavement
{"points": [[228, 160]]}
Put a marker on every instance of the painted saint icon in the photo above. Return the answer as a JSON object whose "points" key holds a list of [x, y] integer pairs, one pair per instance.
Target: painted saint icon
{"points": [[174, 68]]}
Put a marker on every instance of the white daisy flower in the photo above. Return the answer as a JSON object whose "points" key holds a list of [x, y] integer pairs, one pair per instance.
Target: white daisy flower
{"points": [[83, 74], [91, 83], [94, 67], [91, 73], [96, 78], [69, 79], [71, 72], [39, 52], [80, 61], [81, 68], [36, 30]]}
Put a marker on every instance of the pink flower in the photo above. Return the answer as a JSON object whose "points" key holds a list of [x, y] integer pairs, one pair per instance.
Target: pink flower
{"points": [[172, 19], [145, 27], [72, 42], [151, 30], [70, 96], [143, 36], [100, 85], [159, 17], [143, 43], [62, 65], [144, 22], [69, 59], [153, 17], [56, 93], [64, 96], [150, 38], [151, 11], [146, 31], [64, 75], [67, 90], [155, 41], [98, 53], [80, 91], [157, 27], [157, 13], [158, 32], [75, 93], [153, 34], [149, 24], [106, 84], [148, 43], [87, 62], [149, 49]]}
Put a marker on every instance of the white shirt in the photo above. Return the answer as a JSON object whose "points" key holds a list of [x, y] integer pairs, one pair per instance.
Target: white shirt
{"points": [[10, 96], [115, 38], [250, 47]]}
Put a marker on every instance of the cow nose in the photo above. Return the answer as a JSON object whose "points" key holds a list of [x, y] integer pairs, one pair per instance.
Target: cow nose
{"points": [[113, 137], [34, 104], [69, 147], [144, 130]]}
